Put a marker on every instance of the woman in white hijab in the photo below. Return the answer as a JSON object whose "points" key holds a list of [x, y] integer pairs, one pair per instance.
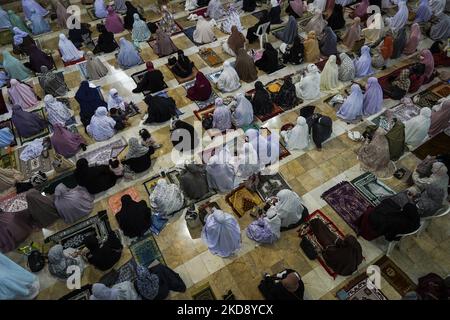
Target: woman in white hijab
{"points": [[317, 23], [308, 88], [246, 163], [166, 198], [298, 137], [215, 10], [101, 127], [221, 116], [60, 259], [268, 150], [397, 22], [67, 50], [120, 291], [116, 101], [220, 174], [221, 233], [374, 30], [416, 129], [438, 179], [203, 32], [329, 79], [288, 206], [57, 112], [243, 113], [229, 79], [266, 229]]}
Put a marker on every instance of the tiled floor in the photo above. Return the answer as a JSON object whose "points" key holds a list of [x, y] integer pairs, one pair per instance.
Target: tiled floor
{"points": [[309, 173]]}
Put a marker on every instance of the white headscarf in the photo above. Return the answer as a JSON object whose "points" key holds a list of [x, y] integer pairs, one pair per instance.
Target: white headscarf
{"points": [[416, 129], [274, 222], [120, 291], [229, 79], [318, 5], [247, 161], [329, 79], [67, 49], [243, 115], [221, 116], [203, 32], [220, 174], [57, 112], [115, 101], [289, 207], [299, 135], [101, 127], [166, 198], [309, 86]]}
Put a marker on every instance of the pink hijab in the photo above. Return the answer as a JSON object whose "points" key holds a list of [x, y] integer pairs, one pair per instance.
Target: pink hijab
{"points": [[414, 37], [361, 9], [113, 22], [427, 59], [440, 119], [22, 94]]}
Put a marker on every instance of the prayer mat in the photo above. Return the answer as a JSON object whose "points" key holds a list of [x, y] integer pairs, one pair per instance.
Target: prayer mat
{"points": [[183, 80], [204, 293], [202, 210], [68, 179], [357, 289], [439, 144], [34, 165], [443, 90], [91, 13], [189, 32], [275, 111], [115, 203], [210, 57], [14, 203], [284, 152], [372, 189], [401, 112], [214, 76], [426, 99], [84, 293], [178, 29], [202, 104], [71, 63], [8, 159], [347, 202], [151, 183], [126, 272], [43, 133], [8, 124], [82, 66], [166, 95], [73, 236], [269, 186], [101, 155], [137, 77], [242, 200], [305, 231], [395, 276], [174, 177], [146, 251]]}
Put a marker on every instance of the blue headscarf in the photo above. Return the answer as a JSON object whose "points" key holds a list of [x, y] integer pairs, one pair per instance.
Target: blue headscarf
{"points": [[363, 65], [38, 24], [352, 107], [423, 13], [128, 56]]}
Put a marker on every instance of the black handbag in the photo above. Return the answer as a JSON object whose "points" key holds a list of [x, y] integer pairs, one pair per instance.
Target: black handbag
{"points": [[36, 261], [308, 248]]}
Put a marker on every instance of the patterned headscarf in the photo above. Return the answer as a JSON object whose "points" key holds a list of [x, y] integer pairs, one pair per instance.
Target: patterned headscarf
{"points": [[403, 81], [147, 283]]}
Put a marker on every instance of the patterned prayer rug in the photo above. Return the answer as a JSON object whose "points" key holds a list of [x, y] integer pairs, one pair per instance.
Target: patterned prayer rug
{"points": [[101, 155], [43, 133], [73, 236], [284, 152], [84, 293], [204, 293], [269, 186], [151, 183], [137, 77], [347, 202], [372, 189], [178, 29], [401, 112], [115, 203], [8, 159], [184, 80], [242, 200], [395, 276], [202, 113], [442, 89], [439, 144], [426, 99], [189, 32], [91, 13], [14, 203], [126, 272], [34, 165], [146, 250], [214, 76], [386, 80], [203, 210], [202, 104], [82, 66], [305, 231], [8, 124], [210, 57], [358, 289]]}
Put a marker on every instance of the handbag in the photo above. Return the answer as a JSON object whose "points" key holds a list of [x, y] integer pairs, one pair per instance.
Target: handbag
{"points": [[36, 261], [308, 248], [61, 164]]}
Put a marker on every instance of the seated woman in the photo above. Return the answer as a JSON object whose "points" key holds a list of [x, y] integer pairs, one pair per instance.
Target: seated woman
{"points": [[308, 88], [193, 181], [440, 30], [245, 66], [297, 138], [15, 227], [228, 80], [266, 229], [286, 98], [73, 204], [119, 103], [60, 259], [181, 66], [346, 68], [38, 58], [57, 112], [352, 108], [95, 69], [14, 68], [396, 139], [105, 42], [16, 282], [275, 12], [166, 198], [261, 100], [373, 97], [203, 32], [399, 87], [38, 24], [269, 59], [26, 123], [289, 207], [41, 207], [221, 233], [438, 178], [160, 109], [428, 200], [138, 158], [294, 53], [243, 112], [336, 21], [316, 24], [400, 18], [128, 56], [416, 77], [68, 51], [232, 19], [121, 291], [164, 46], [102, 257], [329, 78], [22, 42], [66, 142], [129, 16], [81, 35], [22, 94], [17, 21], [101, 127], [201, 90], [311, 48], [89, 99], [423, 12], [6, 137], [363, 64], [215, 10], [286, 285], [153, 80], [134, 218], [235, 41], [352, 34], [321, 129], [183, 136], [96, 178], [374, 31], [113, 22], [440, 117], [52, 82], [416, 128], [221, 116], [100, 9], [246, 162], [413, 41], [268, 149], [251, 36], [140, 32], [427, 59], [374, 155], [288, 34], [328, 42], [220, 175], [399, 43]]}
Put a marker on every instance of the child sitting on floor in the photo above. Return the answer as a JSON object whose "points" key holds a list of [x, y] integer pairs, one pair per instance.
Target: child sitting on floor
{"points": [[147, 139], [116, 167], [119, 117]]}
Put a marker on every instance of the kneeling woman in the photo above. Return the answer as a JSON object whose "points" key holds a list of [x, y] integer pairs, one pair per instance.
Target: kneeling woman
{"points": [[166, 198], [95, 179], [103, 257], [288, 206], [138, 158], [266, 229]]}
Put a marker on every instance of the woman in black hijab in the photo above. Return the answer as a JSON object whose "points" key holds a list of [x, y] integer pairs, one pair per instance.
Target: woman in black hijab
{"points": [[328, 43], [251, 37], [106, 42], [134, 218], [129, 19], [106, 256], [38, 58], [160, 109], [182, 66], [89, 100], [153, 80], [178, 134], [286, 97], [269, 60], [399, 43], [81, 35], [321, 127], [294, 53], [336, 20], [261, 102], [95, 179], [193, 181]]}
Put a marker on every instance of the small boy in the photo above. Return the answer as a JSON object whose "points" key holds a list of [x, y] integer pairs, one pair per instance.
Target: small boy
{"points": [[116, 167]]}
